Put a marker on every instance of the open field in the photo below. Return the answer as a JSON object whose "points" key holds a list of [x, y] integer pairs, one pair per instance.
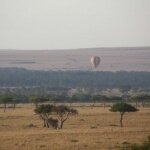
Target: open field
{"points": [[112, 59], [92, 129]]}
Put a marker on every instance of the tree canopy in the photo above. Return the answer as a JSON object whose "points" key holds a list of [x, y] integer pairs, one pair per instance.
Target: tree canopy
{"points": [[44, 111], [6, 100], [63, 112], [122, 108], [37, 99]]}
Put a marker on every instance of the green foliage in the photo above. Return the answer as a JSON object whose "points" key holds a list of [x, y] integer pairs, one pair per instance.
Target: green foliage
{"points": [[13, 77], [63, 112], [144, 146], [62, 109], [123, 107], [100, 98], [44, 111], [56, 98], [96, 98], [36, 100], [115, 99], [6, 100], [141, 97], [80, 98]]}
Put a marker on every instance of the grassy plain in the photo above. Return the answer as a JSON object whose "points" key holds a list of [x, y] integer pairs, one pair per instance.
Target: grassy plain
{"points": [[92, 129], [112, 59]]}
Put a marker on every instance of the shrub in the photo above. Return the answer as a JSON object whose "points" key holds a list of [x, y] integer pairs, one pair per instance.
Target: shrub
{"points": [[53, 123], [144, 146]]}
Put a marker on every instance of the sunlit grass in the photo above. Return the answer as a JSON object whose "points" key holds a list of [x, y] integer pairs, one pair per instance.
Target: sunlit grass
{"points": [[93, 128]]}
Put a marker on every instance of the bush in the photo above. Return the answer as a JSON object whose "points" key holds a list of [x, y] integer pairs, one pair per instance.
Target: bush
{"points": [[144, 146], [53, 123]]}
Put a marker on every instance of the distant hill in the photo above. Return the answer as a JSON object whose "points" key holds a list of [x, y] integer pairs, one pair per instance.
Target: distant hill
{"points": [[112, 59]]}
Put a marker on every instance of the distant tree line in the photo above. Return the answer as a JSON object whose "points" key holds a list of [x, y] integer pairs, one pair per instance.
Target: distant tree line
{"points": [[19, 77], [11, 100]]}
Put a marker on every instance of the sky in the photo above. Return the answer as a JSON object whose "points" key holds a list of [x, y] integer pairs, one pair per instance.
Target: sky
{"points": [[71, 24]]}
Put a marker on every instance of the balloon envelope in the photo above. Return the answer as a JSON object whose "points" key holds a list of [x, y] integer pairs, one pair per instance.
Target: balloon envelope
{"points": [[95, 61]]}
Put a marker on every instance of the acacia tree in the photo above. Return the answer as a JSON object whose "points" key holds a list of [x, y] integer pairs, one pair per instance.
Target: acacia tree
{"points": [[36, 100], [100, 98], [122, 108], [55, 98], [141, 98], [44, 111], [5, 100], [15, 101], [63, 112]]}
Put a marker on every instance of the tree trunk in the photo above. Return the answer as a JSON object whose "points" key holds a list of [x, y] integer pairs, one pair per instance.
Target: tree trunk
{"points": [[63, 120], [136, 104], [44, 123], [47, 125], [104, 105], [4, 107], [122, 113], [61, 124]]}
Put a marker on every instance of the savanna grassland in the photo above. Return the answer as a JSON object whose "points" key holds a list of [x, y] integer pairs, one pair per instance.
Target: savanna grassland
{"points": [[112, 59], [94, 128]]}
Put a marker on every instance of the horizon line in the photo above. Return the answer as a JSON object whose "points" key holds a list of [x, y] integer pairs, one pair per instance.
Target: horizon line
{"points": [[122, 47]]}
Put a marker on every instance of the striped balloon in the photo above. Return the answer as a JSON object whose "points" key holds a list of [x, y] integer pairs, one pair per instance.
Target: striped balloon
{"points": [[95, 61]]}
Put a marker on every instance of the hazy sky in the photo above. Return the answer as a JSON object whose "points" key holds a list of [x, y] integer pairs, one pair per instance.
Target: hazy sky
{"points": [[61, 24]]}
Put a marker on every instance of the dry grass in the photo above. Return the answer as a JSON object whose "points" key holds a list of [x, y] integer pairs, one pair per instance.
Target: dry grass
{"points": [[93, 129]]}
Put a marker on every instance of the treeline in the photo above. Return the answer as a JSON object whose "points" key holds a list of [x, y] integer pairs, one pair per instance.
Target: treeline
{"points": [[20, 77], [12, 99]]}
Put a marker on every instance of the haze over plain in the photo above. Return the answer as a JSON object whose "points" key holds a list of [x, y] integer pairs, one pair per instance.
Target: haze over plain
{"points": [[61, 26], [112, 59]]}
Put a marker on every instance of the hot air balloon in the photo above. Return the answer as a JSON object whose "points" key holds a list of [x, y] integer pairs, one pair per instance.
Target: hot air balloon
{"points": [[95, 61]]}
